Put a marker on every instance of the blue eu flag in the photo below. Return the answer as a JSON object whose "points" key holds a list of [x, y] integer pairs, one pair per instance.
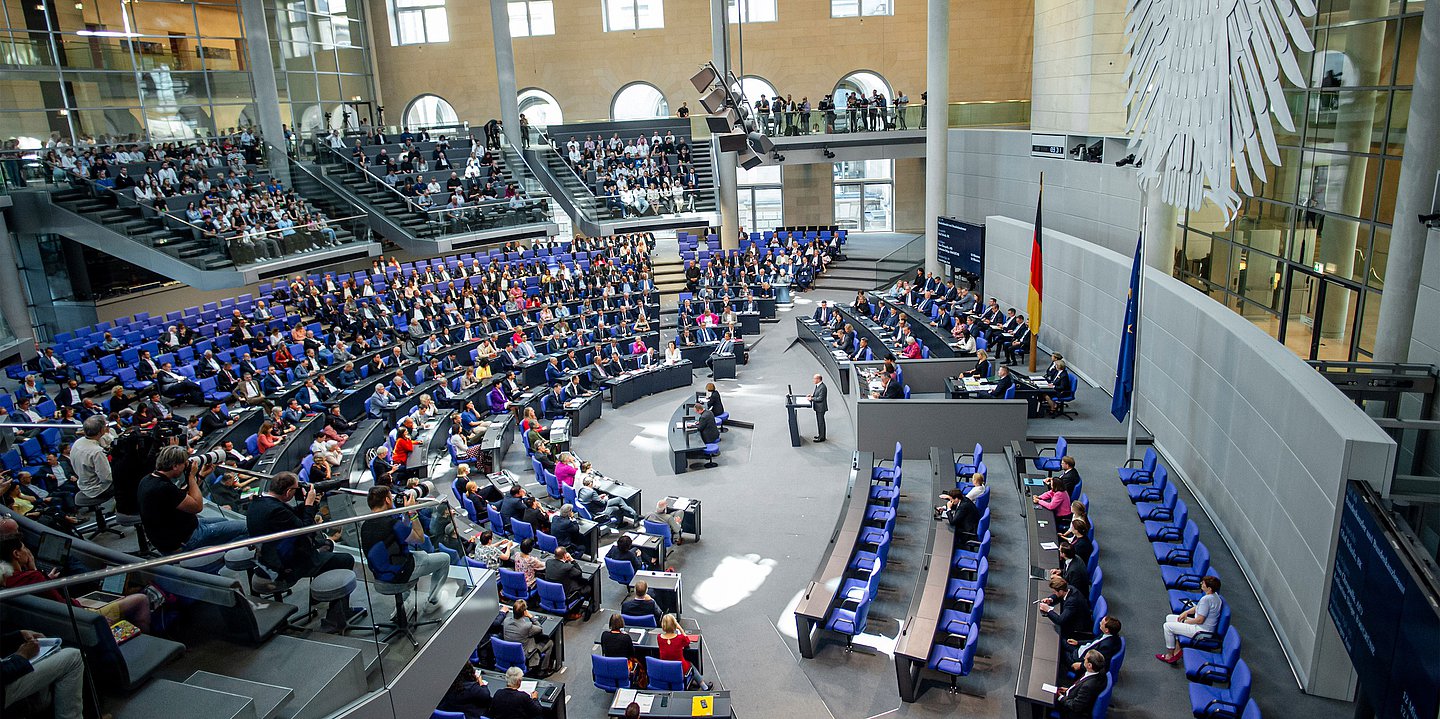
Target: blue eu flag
{"points": [[1125, 368]]}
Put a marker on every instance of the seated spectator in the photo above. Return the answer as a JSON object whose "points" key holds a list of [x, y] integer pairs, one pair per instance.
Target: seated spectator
{"points": [[1203, 616], [1108, 644], [561, 568], [23, 673], [526, 563], [20, 570], [616, 642], [1055, 498], [603, 507], [566, 530], [170, 513], [663, 514], [642, 603]]}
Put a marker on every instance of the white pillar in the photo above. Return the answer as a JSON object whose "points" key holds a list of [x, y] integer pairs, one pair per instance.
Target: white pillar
{"points": [[937, 121], [505, 70], [267, 89], [727, 196]]}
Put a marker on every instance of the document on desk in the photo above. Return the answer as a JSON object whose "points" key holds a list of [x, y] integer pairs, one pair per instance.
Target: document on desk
{"points": [[529, 685], [681, 504], [623, 697], [1049, 545], [1049, 688]]}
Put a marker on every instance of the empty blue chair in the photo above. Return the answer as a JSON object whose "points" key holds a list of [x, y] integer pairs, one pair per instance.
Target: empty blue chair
{"points": [[1052, 463], [1212, 702], [513, 585], [889, 474], [610, 673], [906, 391], [554, 600], [497, 521], [954, 661], [1161, 511], [1153, 491], [621, 572], [1181, 552], [970, 559], [1169, 530], [640, 620], [1213, 667], [665, 676], [508, 654], [965, 588], [660, 529], [1141, 474], [252, 444], [964, 469], [50, 439], [442, 714], [546, 542], [521, 531], [1188, 577]]}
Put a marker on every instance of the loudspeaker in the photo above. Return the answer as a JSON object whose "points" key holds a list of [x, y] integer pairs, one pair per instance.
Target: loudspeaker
{"points": [[704, 79], [718, 124], [760, 143], [733, 142], [714, 102], [749, 160]]}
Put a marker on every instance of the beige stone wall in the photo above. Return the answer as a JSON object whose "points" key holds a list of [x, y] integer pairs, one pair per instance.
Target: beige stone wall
{"points": [[910, 195], [1079, 83], [804, 53], [809, 194]]}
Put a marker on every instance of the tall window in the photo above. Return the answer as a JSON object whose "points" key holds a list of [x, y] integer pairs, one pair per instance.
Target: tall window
{"points": [[754, 87], [752, 10], [633, 14], [637, 101], [532, 18], [419, 21], [865, 195], [761, 199], [856, 8], [540, 108], [429, 110]]}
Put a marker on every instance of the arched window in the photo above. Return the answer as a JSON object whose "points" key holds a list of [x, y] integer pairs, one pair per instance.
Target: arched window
{"points": [[862, 81], [428, 110], [637, 101], [540, 108], [754, 87]]}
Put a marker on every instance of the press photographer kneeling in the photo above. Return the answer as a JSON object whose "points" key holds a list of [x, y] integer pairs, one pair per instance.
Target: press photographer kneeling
{"points": [[170, 503]]}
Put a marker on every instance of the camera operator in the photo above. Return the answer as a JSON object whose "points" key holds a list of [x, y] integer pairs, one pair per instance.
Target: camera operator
{"points": [[170, 512], [390, 546], [297, 557]]}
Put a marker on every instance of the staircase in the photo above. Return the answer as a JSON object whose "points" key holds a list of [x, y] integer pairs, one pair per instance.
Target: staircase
{"points": [[288, 677], [669, 275], [151, 231]]}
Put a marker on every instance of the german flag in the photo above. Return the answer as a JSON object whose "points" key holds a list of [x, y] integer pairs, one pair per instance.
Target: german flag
{"points": [[1037, 269]]}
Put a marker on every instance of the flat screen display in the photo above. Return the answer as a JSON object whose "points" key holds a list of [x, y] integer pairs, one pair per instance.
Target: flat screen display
{"points": [[961, 245]]}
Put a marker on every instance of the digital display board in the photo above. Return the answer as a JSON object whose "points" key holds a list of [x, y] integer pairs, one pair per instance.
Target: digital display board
{"points": [[1386, 618], [961, 245]]}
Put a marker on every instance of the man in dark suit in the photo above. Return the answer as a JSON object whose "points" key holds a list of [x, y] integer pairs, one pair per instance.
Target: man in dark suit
{"points": [[705, 424], [561, 569], [566, 530], [214, 420], [1108, 644], [642, 603], [1003, 382], [1069, 477], [1078, 700], [892, 388], [296, 557], [1073, 570], [823, 313], [818, 402], [963, 517], [1068, 609]]}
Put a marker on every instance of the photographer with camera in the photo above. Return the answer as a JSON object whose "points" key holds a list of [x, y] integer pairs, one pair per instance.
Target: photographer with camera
{"points": [[390, 546], [170, 503], [297, 557]]}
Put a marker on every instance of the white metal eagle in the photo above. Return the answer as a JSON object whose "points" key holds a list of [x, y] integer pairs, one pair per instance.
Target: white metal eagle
{"points": [[1203, 83]]}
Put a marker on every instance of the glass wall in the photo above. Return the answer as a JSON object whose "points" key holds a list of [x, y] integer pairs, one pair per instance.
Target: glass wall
{"points": [[865, 195], [112, 70], [762, 200], [322, 65], [1306, 258]]}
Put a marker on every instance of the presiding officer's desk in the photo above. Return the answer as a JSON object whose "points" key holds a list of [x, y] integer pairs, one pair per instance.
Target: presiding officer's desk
{"points": [[634, 384], [551, 695], [1040, 643], [673, 704], [939, 341], [817, 339], [912, 647], [820, 592]]}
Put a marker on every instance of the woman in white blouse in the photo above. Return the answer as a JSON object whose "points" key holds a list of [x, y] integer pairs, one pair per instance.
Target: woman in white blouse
{"points": [[672, 353]]}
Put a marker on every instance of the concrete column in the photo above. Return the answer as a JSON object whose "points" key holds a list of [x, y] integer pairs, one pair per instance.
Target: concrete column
{"points": [[727, 196], [937, 121], [14, 302], [267, 94], [1161, 233], [1417, 185], [505, 70]]}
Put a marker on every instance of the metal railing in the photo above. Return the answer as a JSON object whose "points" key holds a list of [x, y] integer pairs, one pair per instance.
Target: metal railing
{"points": [[594, 203]]}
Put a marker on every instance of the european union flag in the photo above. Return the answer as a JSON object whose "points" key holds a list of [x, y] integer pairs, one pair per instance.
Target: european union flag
{"points": [[1125, 367]]}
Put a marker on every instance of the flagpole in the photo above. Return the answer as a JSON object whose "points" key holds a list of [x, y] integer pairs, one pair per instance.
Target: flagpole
{"points": [[1139, 301], [1034, 336]]}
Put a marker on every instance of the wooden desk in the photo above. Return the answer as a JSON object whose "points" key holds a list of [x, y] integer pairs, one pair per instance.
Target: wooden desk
{"points": [[820, 592]]}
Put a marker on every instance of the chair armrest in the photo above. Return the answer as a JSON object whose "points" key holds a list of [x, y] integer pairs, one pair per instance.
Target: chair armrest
{"points": [[1169, 534], [1179, 554], [1043, 450], [1207, 641], [1129, 462]]}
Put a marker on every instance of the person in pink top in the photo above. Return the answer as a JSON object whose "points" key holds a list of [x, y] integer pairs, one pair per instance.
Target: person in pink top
{"points": [[566, 468], [1056, 499], [912, 350]]}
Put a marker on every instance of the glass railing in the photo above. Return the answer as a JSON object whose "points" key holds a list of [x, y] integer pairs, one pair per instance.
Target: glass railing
{"points": [[600, 207], [899, 261], [1009, 113], [296, 622], [531, 206]]}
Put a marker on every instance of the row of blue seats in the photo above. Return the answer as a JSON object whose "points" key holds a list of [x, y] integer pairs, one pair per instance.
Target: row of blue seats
{"points": [[958, 632], [861, 581], [1219, 679]]}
